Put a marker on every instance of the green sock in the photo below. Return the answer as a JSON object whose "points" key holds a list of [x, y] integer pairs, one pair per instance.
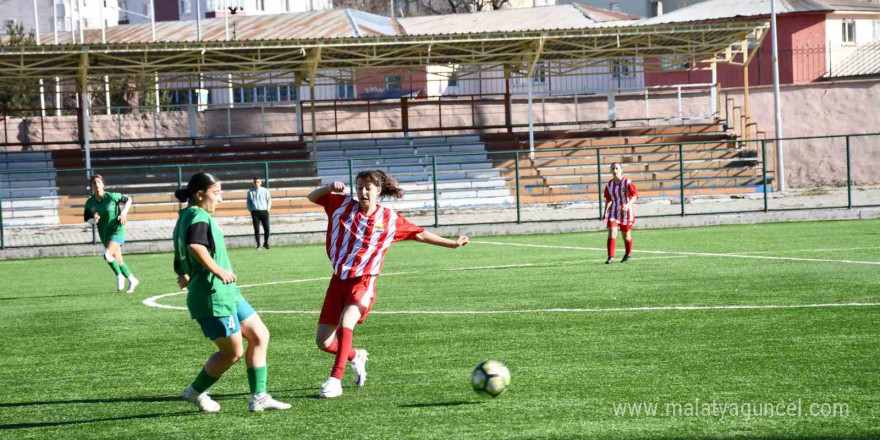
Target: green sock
{"points": [[203, 381], [115, 266], [125, 270], [257, 379]]}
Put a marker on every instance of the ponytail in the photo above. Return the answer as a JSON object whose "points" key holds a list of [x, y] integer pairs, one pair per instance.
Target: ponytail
{"points": [[390, 187], [198, 182]]}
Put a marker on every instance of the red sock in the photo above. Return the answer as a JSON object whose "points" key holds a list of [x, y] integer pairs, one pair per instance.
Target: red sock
{"points": [[629, 246], [334, 346], [612, 243], [342, 353]]}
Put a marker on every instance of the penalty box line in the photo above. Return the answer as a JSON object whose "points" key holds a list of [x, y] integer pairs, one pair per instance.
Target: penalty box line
{"points": [[695, 254]]}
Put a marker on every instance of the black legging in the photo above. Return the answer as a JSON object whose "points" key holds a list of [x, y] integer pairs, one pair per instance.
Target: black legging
{"points": [[261, 217]]}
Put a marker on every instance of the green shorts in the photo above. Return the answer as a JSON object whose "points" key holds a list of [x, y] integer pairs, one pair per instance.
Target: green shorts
{"points": [[226, 326]]}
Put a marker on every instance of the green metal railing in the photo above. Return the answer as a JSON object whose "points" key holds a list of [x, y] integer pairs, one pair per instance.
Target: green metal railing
{"points": [[349, 164]]}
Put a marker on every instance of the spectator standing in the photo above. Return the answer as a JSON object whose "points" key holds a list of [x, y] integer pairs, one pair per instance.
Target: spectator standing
{"points": [[259, 203]]}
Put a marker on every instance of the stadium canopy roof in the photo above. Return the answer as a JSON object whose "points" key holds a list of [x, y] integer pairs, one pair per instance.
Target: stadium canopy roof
{"points": [[346, 40]]}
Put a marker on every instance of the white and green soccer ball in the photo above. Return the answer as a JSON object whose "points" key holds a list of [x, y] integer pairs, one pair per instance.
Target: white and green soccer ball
{"points": [[490, 378]]}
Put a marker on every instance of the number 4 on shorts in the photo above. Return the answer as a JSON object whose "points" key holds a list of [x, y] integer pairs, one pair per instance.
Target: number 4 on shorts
{"points": [[231, 324]]}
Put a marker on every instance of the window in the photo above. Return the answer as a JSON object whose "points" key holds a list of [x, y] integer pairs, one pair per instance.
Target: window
{"points": [[186, 6], [345, 90], [674, 62], [237, 96], [453, 79], [623, 68], [849, 31], [392, 82], [287, 5], [614, 6], [262, 4], [540, 74], [876, 33], [248, 95], [123, 10]]}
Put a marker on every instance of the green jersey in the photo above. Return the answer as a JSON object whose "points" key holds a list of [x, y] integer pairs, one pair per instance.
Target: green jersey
{"points": [[207, 296], [108, 208]]}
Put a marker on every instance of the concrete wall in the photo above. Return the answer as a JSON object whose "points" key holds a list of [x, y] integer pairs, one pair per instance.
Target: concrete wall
{"points": [[813, 109], [818, 109]]}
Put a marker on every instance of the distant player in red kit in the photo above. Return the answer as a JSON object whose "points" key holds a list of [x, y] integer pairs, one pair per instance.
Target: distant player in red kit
{"points": [[359, 233], [620, 194]]}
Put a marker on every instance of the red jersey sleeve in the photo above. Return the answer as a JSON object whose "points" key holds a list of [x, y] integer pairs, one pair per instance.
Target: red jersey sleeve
{"points": [[406, 230], [331, 202], [631, 190], [607, 194]]}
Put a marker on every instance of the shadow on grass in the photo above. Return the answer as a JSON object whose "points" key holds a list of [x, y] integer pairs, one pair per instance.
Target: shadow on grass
{"points": [[108, 419], [138, 399], [438, 404]]}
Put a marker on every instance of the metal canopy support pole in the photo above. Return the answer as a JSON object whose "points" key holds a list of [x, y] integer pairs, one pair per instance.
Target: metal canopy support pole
{"points": [[84, 94], [153, 30], [313, 70], [714, 91], [37, 32], [55, 40], [529, 81], [777, 105], [612, 111], [299, 108], [531, 123], [101, 5]]}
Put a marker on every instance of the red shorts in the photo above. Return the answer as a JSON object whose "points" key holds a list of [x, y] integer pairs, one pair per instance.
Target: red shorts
{"points": [[623, 228], [340, 293]]}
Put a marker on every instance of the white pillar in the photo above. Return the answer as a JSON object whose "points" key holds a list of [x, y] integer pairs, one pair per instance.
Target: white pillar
{"points": [[37, 33], [777, 105], [531, 122], [86, 141]]}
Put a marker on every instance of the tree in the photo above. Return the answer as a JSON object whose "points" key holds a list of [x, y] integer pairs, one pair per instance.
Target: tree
{"points": [[19, 98]]}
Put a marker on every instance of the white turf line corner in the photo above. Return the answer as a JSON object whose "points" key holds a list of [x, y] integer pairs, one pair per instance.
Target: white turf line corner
{"points": [[153, 301]]}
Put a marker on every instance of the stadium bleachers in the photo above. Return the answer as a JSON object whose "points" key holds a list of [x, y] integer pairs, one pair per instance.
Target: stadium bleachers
{"points": [[564, 170], [712, 163], [28, 198]]}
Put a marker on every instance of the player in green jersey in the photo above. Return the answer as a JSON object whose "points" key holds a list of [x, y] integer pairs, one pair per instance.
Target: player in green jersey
{"points": [[102, 210], [213, 298]]}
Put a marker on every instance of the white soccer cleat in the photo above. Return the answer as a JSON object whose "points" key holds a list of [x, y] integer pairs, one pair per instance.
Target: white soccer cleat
{"points": [[120, 283], [203, 401], [332, 388], [265, 402], [132, 283], [359, 366]]}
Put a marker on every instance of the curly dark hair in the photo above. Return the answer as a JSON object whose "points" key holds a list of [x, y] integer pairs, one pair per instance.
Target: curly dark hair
{"points": [[390, 186]]}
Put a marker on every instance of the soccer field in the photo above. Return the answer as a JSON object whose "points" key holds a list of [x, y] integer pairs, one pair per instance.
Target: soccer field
{"points": [[779, 322]]}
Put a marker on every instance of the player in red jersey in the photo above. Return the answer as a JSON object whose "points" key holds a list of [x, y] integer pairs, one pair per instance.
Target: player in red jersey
{"points": [[620, 194], [359, 233]]}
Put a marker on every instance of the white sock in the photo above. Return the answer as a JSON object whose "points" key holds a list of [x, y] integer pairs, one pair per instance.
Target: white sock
{"points": [[333, 379]]}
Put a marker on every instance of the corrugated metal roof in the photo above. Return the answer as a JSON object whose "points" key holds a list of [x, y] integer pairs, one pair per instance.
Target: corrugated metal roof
{"points": [[509, 20], [726, 9], [863, 62], [340, 23]]}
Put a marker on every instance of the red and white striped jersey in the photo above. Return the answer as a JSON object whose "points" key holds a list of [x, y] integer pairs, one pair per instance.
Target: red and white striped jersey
{"points": [[357, 243], [616, 195]]}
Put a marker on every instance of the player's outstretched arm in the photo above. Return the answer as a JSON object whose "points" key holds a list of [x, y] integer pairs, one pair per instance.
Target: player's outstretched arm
{"points": [[200, 252], [436, 240], [335, 187], [122, 219]]}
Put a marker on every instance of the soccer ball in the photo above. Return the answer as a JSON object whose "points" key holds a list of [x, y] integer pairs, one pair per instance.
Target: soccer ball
{"points": [[490, 378]]}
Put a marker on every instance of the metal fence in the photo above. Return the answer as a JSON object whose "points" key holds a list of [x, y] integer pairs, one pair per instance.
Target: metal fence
{"points": [[445, 191]]}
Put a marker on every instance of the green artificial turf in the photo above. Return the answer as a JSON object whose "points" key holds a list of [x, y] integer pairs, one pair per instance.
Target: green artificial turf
{"points": [[581, 339]]}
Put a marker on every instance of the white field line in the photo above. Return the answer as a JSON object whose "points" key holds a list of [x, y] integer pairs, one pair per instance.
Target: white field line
{"points": [[697, 254], [153, 301], [810, 250]]}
